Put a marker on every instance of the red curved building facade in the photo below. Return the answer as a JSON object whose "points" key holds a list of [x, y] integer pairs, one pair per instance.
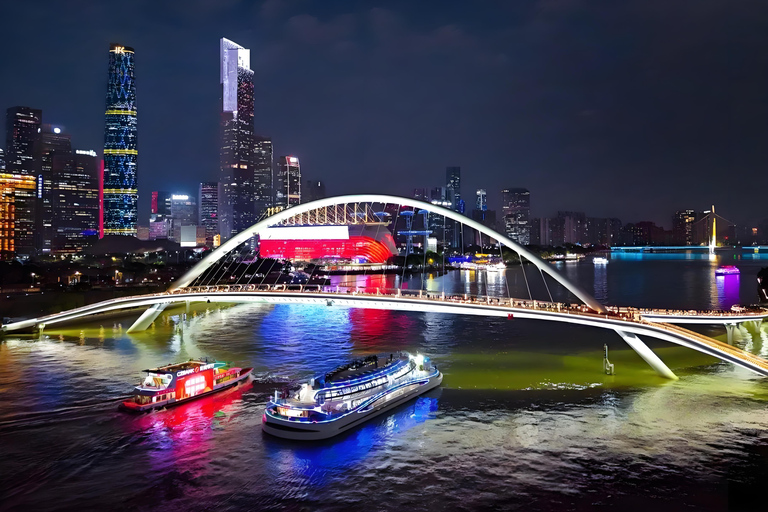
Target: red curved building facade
{"points": [[358, 242]]}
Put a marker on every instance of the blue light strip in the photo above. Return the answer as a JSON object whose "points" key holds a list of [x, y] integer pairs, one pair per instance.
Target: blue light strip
{"points": [[385, 371], [358, 409]]}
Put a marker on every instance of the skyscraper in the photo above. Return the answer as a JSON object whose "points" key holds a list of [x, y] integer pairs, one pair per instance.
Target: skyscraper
{"points": [[53, 142], [481, 203], [287, 182], [23, 126], [237, 210], [75, 200], [2, 160], [453, 184], [516, 210], [183, 213], [17, 193], [263, 164], [120, 144], [22, 138], [682, 227], [208, 205], [161, 202], [312, 191]]}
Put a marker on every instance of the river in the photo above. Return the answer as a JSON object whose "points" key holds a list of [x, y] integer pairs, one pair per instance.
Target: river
{"points": [[525, 418]]}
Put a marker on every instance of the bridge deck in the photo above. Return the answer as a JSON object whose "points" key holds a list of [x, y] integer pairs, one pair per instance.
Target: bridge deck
{"points": [[615, 318]]}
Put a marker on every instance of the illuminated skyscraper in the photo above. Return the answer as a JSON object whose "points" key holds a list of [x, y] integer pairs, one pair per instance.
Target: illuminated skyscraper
{"points": [[161, 202], [120, 144], [237, 209], [53, 142], [516, 209], [263, 163], [287, 182], [2, 160], [17, 194], [208, 213], [22, 132], [75, 198]]}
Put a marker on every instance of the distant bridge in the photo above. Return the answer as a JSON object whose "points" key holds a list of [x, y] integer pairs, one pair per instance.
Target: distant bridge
{"points": [[210, 281]]}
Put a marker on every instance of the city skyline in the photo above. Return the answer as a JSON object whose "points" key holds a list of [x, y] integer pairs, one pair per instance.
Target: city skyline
{"points": [[562, 150]]}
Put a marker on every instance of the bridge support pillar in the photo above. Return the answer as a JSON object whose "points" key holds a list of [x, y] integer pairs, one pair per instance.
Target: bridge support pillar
{"points": [[729, 330], [753, 326], [647, 354], [187, 304], [147, 317]]}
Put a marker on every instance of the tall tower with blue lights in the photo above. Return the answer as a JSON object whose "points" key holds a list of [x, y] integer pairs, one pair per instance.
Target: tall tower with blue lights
{"points": [[120, 144]]}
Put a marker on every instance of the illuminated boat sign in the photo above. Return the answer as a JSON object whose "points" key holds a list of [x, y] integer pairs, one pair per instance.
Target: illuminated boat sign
{"points": [[201, 368]]}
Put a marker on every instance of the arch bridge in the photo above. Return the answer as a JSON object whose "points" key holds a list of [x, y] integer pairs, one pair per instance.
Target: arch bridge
{"points": [[211, 280]]}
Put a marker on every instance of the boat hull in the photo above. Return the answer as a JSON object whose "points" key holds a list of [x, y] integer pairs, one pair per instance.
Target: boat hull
{"points": [[134, 407], [301, 431]]}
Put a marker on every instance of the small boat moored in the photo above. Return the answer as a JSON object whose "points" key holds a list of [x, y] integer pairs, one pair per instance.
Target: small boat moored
{"points": [[348, 396], [727, 270], [175, 384]]}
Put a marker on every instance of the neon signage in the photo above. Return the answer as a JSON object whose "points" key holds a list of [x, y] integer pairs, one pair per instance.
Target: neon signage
{"points": [[201, 368]]}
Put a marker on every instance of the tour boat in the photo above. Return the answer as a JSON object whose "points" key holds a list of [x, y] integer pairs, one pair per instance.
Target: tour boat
{"points": [[599, 260], [348, 396], [727, 270], [175, 384]]}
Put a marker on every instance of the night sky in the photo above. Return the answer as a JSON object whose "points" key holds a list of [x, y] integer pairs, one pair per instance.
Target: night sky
{"points": [[631, 109]]}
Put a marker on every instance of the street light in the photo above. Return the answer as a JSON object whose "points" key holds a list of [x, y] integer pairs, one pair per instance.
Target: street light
{"points": [[33, 279]]}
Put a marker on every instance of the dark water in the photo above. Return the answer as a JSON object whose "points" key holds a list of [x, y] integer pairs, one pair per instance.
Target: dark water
{"points": [[525, 419]]}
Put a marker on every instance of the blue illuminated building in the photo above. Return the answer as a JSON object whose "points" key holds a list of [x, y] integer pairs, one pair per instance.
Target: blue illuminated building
{"points": [[120, 144]]}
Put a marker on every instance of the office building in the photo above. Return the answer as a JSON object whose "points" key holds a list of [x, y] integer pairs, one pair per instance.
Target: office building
{"points": [[682, 227], [53, 142], [2, 160], [237, 210], [312, 191], [183, 213], [22, 133], [22, 139], [516, 212], [17, 199], [120, 188], [481, 201], [287, 182], [75, 200], [263, 164], [453, 185], [208, 209], [161, 202]]}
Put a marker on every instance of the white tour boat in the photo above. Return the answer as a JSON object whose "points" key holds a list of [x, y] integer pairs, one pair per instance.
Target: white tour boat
{"points": [[348, 396]]}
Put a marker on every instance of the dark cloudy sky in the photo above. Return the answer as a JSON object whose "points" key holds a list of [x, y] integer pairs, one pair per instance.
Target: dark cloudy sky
{"points": [[618, 108]]}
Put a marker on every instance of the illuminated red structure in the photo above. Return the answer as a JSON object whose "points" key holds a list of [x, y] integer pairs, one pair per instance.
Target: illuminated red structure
{"points": [[372, 243], [101, 200]]}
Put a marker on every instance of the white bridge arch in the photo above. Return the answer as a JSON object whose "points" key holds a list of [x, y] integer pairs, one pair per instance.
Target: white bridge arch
{"points": [[234, 242]]}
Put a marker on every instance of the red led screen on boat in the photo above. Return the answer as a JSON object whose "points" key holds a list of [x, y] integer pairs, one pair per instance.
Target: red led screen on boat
{"points": [[371, 250]]}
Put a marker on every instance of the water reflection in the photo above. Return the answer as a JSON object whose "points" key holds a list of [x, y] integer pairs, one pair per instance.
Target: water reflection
{"points": [[727, 290], [316, 464]]}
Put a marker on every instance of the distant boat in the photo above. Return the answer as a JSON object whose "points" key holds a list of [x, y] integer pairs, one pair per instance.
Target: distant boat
{"points": [[727, 270], [600, 260]]}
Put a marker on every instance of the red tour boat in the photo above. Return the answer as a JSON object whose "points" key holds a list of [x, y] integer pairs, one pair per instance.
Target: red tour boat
{"points": [[176, 384]]}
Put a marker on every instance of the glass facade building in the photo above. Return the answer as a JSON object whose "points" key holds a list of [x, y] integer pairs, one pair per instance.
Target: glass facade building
{"points": [[75, 198], [287, 182], [208, 213], [516, 209], [237, 206], [120, 145], [53, 142], [263, 165], [17, 197], [22, 132]]}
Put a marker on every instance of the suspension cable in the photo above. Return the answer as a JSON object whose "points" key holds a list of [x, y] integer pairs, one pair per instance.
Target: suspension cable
{"points": [[522, 267], [543, 278]]}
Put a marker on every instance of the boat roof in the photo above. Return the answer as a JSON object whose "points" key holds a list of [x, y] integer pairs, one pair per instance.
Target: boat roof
{"points": [[363, 367], [175, 367]]}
